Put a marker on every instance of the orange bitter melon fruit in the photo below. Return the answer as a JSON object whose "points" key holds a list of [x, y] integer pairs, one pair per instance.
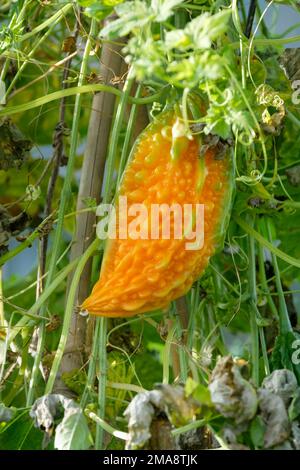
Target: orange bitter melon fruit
{"points": [[142, 275]]}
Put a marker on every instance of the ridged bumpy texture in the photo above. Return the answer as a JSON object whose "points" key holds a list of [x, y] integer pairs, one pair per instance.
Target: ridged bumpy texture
{"points": [[147, 274]]}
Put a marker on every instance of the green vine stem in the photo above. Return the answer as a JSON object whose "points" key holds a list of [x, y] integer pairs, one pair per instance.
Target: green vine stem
{"points": [[18, 21], [128, 136], [31, 53], [57, 16], [264, 242], [111, 159], [66, 190], [89, 385], [181, 352], [112, 154], [284, 319], [107, 427], [264, 283], [167, 354], [262, 339], [19, 383], [2, 318], [35, 234], [189, 427], [63, 337], [50, 22], [269, 41], [76, 90], [26, 320], [102, 364], [257, 332], [68, 314], [65, 198], [253, 320], [26, 243]]}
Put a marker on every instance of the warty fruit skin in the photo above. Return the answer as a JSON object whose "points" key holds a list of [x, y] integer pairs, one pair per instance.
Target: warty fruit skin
{"points": [[143, 275]]}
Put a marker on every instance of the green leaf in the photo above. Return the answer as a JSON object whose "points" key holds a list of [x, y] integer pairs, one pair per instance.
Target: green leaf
{"points": [[257, 432], [164, 9], [220, 126], [205, 28], [190, 386], [106, 3], [73, 433], [198, 391], [262, 322], [200, 32], [75, 380], [20, 434], [86, 3], [132, 15], [135, 15], [195, 69], [98, 10]]}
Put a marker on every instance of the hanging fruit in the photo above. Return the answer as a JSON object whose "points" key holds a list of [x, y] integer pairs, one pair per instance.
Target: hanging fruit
{"points": [[170, 167]]}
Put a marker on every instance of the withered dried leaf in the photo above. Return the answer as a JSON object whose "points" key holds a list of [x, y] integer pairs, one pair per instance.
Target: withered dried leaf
{"points": [[72, 433], [10, 226], [290, 63], [69, 44], [286, 445], [168, 399], [14, 147], [296, 435], [282, 382], [275, 417], [139, 414], [179, 408], [231, 394]]}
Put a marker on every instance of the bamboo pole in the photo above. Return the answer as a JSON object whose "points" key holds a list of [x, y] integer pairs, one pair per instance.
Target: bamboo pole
{"points": [[90, 187]]}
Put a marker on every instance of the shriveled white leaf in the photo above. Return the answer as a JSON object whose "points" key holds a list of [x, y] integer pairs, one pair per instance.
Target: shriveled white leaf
{"points": [[170, 399], [139, 414], [231, 394], [72, 433], [275, 418], [163, 9], [282, 382], [296, 435], [132, 15]]}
